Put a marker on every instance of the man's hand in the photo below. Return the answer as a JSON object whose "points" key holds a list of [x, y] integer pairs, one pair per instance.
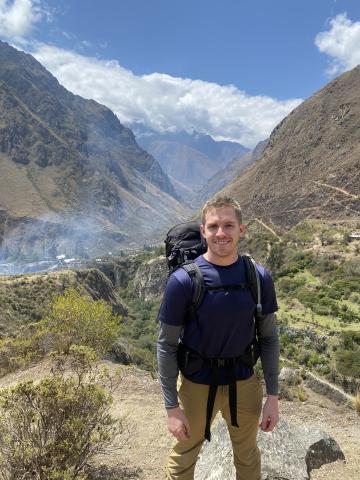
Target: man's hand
{"points": [[270, 414], [178, 424]]}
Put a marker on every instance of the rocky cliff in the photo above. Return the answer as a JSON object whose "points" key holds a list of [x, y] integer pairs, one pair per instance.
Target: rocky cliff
{"points": [[72, 177]]}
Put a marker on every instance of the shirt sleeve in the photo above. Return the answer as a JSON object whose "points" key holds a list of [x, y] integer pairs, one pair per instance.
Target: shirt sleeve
{"points": [[176, 299], [167, 346], [269, 352], [268, 295]]}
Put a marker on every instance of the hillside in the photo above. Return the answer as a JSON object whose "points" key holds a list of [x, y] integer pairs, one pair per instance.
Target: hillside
{"points": [[26, 298], [316, 270], [310, 167], [73, 180], [233, 169]]}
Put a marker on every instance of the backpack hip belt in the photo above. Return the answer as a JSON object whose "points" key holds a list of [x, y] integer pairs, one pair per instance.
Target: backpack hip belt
{"points": [[190, 362]]}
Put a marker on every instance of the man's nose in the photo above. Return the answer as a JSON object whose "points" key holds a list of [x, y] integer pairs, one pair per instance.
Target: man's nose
{"points": [[220, 232]]}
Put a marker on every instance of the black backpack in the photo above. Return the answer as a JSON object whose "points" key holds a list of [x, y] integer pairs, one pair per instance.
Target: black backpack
{"points": [[183, 243]]}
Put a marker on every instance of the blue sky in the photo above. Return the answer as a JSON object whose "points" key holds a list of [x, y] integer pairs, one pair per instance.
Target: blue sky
{"points": [[230, 68]]}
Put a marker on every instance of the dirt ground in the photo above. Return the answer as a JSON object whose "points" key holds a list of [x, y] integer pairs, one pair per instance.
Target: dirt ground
{"points": [[145, 442]]}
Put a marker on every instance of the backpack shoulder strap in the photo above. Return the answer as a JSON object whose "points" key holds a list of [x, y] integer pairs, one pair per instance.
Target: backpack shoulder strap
{"points": [[193, 270], [253, 279]]}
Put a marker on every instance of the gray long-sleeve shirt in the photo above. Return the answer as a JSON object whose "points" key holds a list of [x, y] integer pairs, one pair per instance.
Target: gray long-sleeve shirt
{"points": [[167, 346]]}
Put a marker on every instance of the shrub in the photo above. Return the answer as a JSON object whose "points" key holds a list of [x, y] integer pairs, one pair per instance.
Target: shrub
{"points": [[301, 394], [348, 362], [75, 319], [51, 430]]}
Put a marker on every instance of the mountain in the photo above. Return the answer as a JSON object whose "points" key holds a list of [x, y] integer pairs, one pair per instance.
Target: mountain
{"points": [[310, 167], [230, 172], [190, 159], [73, 179]]}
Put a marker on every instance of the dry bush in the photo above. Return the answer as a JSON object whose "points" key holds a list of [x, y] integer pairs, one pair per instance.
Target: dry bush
{"points": [[356, 402], [53, 429]]}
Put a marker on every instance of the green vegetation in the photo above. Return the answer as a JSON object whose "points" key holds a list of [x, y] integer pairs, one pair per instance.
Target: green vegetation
{"points": [[27, 298], [316, 270], [53, 429], [141, 330], [72, 319], [348, 354], [318, 291]]}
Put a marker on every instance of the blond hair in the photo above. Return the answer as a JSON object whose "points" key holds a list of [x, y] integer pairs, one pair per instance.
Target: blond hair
{"points": [[221, 201]]}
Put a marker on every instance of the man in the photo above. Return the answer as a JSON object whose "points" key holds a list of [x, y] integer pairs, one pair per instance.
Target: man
{"points": [[222, 328]]}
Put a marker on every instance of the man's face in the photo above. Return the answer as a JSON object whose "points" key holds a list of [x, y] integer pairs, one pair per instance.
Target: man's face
{"points": [[222, 232]]}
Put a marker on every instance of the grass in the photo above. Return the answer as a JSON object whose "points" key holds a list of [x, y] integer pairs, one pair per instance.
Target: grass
{"points": [[301, 394], [356, 402]]}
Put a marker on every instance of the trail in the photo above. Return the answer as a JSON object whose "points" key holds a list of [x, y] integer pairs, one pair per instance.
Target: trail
{"points": [[341, 190], [268, 228]]}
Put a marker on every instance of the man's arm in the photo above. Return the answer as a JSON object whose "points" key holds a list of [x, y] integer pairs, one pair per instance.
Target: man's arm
{"points": [[167, 346], [269, 354]]}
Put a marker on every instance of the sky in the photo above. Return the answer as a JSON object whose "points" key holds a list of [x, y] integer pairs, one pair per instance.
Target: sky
{"points": [[229, 68]]}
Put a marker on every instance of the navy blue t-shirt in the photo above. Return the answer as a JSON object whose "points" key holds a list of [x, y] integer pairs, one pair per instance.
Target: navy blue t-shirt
{"points": [[225, 324]]}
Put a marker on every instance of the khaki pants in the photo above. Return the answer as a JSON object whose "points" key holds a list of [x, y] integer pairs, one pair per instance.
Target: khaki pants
{"points": [[193, 399]]}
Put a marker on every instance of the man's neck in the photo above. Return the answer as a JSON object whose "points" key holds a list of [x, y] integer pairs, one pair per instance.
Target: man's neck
{"points": [[221, 261]]}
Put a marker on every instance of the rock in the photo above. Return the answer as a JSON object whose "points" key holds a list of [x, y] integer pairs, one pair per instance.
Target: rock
{"points": [[122, 352], [288, 453], [289, 375], [150, 279]]}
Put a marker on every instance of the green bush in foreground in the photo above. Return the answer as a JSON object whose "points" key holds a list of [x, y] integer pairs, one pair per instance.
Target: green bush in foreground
{"points": [[51, 430]]}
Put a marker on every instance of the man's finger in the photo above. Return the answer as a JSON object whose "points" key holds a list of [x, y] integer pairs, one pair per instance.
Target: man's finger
{"points": [[265, 424]]}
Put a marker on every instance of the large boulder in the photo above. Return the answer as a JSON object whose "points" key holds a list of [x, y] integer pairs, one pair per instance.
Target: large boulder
{"points": [[150, 279], [288, 453]]}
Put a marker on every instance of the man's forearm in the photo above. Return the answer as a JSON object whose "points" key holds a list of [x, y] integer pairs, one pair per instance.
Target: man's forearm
{"points": [[167, 347], [269, 352]]}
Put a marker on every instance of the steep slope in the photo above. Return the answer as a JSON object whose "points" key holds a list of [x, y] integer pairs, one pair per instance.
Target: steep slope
{"points": [[311, 165], [231, 171], [71, 176], [189, 159]]}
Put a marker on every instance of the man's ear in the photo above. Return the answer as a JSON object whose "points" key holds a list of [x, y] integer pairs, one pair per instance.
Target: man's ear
{"points": [[202, 230], [242, 229]]}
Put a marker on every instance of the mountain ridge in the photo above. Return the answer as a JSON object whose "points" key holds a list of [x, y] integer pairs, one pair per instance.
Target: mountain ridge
{"points": [[310, 166], [65, 159], [190, 159]]}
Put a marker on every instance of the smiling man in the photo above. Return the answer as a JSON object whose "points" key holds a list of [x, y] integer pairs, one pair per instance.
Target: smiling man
{"points": [[216, 375]]}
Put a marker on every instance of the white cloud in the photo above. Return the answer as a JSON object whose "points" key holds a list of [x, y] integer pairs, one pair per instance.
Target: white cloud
{"points": [[18, 17], [163, 102], [341, 43]]}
